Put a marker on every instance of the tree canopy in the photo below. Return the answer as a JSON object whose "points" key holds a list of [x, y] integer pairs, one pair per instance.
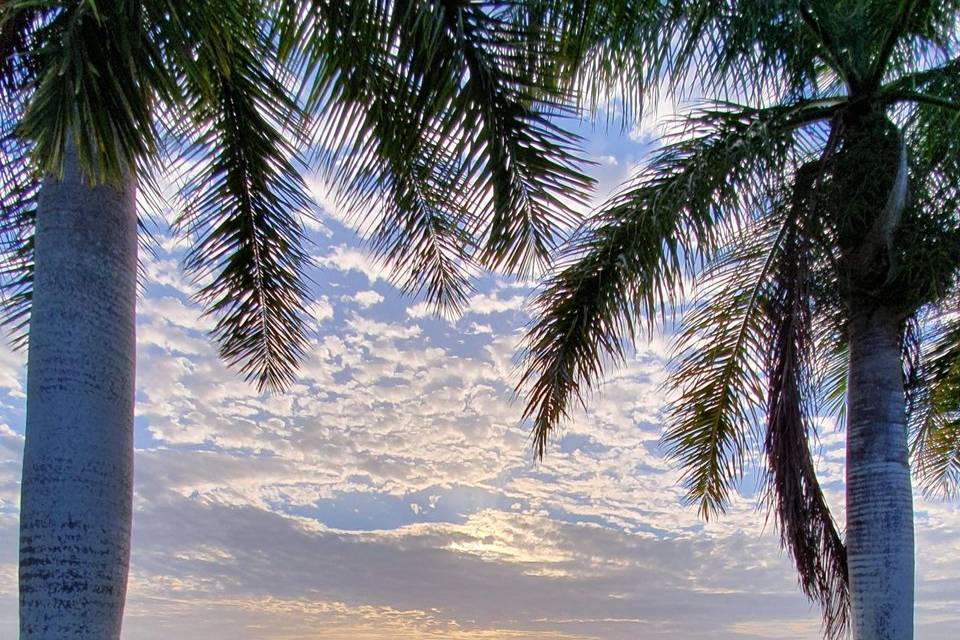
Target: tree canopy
{"points": [[818, 166], [438, 123]]}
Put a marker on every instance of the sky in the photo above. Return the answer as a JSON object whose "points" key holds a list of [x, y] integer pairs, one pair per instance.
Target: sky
{"points": [[392, 492]]}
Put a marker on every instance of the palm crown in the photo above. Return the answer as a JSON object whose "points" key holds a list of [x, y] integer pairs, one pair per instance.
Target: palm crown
{"points": [[819, 176], [434, 120]]}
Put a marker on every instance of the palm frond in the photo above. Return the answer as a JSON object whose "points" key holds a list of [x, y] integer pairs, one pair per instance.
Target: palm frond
{"points": [[394, 163], [935, 418], [446, 98], [936, 455], [604, 49], [629, 261], [921, 35], [17, 26], [935, 86], [807, 529], [428, 243], [19, 179], [528, 161], [927, 243], [832, 376], [716, 373], [19, 186], [755, 49], [245, 199], [97, 71], [933, 20]]}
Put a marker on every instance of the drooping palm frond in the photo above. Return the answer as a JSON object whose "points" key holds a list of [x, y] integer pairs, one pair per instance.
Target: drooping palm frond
{"points": [[796, 50], [426, 238], [937, 452], [935, 420], [629, 261], [534, 182], [19, 180], [446, 98], [392, 161], [807, 529], [244, 201], [444, 112], [716, 373], [604, 49]]}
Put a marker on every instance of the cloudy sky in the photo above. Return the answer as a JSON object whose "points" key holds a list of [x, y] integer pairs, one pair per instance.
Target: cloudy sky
{"points": [[391, 493]]}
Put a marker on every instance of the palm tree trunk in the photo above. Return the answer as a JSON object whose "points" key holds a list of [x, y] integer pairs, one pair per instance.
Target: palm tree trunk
{"points": [[879, 496], [76, 495]]}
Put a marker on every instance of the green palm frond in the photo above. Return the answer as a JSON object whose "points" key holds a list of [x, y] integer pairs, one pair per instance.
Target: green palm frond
{"points": [[534, 182], [716, 373], [19, 180], [928, 240], [602, 49], [630, 260], [935, 421], [934, 391], [392, 161], [937, 452], [920, 34], [244, 200], [935, 87], [97, 71], [426, 240], [455, 103], [19, 186], [720, 46]]}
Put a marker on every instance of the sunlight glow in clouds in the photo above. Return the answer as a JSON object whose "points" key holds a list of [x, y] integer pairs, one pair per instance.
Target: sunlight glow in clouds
{"points": [[391, 492]]}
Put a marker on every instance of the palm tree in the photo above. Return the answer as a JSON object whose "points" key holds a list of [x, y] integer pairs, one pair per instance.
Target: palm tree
{"points": [[434, 119], [813, 199]]}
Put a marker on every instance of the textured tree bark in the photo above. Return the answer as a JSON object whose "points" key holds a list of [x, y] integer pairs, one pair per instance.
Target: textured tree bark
{"points": [[880, 553], [76, 494]]}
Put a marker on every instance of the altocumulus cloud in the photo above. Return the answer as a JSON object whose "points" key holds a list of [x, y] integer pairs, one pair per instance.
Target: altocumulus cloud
{"points": [[391, 492]]}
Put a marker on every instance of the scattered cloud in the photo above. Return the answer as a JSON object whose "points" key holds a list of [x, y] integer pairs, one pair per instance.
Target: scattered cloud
{"points": [[392, 493], [365, 299]]}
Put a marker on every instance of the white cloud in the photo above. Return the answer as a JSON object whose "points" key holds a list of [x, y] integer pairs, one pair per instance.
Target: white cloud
{"points": [[488, 303], [12, 367], [419, 310], [391, 491], [346, 259], [320, 310], [659, 119], [365, 299]]}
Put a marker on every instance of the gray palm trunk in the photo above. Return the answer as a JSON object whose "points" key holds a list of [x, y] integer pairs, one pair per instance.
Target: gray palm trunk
{"points": [[879, 534], [76, 495], [880, 554]]}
